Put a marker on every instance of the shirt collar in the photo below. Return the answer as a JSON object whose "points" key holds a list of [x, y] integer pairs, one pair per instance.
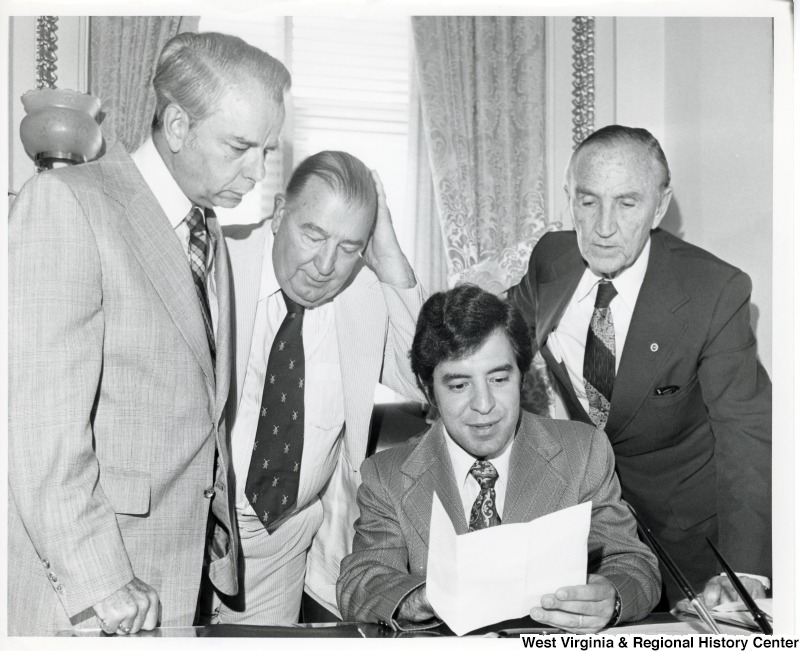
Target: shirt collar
{"points": [[627, 284], [269, 283], [170, 197], [462, 461]]}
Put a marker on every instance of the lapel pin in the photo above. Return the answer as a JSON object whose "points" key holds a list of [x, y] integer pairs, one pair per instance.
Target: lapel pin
{"points": [[654, 347]]}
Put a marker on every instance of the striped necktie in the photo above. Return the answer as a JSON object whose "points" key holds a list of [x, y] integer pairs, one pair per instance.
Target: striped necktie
{"points": [[599, 361]]}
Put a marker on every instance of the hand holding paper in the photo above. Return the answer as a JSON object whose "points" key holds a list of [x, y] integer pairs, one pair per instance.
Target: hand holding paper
{"points": [[502, 572], [579, 608]]}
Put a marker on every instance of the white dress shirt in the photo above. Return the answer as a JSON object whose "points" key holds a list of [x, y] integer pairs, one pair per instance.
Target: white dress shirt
{"points": [[176, 207], [568, 341], [324, 400], [468, 486]]}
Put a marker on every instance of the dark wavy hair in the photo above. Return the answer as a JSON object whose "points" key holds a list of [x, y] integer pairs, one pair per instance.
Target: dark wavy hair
{"points": [[455, 323]]}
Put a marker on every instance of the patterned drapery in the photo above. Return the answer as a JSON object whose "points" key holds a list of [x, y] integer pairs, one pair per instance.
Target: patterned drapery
{"points": [[123, 53], [429, 261], [482, 81], [482, 84]]}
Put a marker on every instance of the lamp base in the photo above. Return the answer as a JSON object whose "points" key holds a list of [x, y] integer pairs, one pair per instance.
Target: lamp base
{"points": [[47, 160]]}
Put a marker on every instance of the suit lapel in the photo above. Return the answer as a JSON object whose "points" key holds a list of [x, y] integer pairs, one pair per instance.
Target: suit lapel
{"points": [[535, 488], [654, 324], [246, 250], [556, 290], [567, 391], [360, 334], [428, 470], [152, 239], [223, 338]]}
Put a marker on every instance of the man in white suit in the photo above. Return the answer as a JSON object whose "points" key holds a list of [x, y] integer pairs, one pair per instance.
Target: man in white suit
{"points": [[119, 355], [330, 249]]}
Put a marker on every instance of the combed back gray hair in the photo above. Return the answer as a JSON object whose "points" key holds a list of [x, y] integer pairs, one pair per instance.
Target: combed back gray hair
{"points": [[617, 134], [342, 172], [195, 70]]}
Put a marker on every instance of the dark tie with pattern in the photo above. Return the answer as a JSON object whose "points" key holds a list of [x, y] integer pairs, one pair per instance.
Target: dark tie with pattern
{"points": [[484, 510], [599, 361], [274, 474], [198, 258]]}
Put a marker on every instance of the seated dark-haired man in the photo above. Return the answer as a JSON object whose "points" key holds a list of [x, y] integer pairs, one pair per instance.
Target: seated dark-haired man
{"points": [[470, 352]]}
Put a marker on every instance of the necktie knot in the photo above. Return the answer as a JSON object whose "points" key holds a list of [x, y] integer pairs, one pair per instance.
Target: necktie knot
{"points": [[605, 294], [291, 306], [484, 473], [195, 222]]}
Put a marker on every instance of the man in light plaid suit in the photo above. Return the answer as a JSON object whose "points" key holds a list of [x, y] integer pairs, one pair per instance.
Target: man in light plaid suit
{"points": [[119, 355]]}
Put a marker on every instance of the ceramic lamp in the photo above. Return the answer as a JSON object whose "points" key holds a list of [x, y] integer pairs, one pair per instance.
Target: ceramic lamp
{"points": [[60, 126]]}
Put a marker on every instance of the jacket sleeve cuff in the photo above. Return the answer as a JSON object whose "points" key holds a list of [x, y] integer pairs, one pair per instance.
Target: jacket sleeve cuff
{"points": [[404, 625]]}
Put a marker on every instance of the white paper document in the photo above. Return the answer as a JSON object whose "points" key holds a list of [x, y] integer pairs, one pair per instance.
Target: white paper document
{"points": [[502, 572]]}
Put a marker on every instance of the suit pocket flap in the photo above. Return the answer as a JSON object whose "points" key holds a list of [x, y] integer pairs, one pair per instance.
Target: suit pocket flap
{"points": [[128, 490]]}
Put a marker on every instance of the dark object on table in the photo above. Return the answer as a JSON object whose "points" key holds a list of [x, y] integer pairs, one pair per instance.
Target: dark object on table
{"points": [[759, 615], [676, 573]]}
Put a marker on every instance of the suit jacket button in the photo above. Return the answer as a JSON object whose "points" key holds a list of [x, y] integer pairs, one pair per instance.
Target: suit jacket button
{"points": [[208, 493], [60, 589], [46, 563], [52, 577]]}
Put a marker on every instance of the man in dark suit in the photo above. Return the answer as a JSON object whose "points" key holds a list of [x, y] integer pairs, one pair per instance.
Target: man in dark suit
{"points": [[489, 463], [662, 357]]}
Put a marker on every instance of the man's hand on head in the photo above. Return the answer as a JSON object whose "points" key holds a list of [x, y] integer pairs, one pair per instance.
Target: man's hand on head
{"points": [[383, 253], [720, 590], [132, 608], [579, 608]]}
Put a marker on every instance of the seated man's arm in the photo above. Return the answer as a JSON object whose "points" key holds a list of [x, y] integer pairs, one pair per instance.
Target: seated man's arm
{"points": [[738, 395], [619, 563], [375, 580]]}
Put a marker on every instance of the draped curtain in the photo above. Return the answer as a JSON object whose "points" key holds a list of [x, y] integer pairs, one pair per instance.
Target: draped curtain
{"points": [[429, 255], [123, 53], [482, 83], [482, 86]]}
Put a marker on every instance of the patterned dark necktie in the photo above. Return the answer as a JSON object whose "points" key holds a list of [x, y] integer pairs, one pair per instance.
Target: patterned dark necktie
{"points": [[198, 258], [599, 362], [274, 474], [484, 510]]}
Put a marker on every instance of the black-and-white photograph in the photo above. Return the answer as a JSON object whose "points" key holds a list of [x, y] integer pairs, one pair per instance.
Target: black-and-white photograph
{"points": [[383, 320]]}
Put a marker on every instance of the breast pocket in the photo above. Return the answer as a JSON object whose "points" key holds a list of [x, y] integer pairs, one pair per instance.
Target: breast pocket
{"points": [[672, 399], [662, 421], [324, 396]]}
